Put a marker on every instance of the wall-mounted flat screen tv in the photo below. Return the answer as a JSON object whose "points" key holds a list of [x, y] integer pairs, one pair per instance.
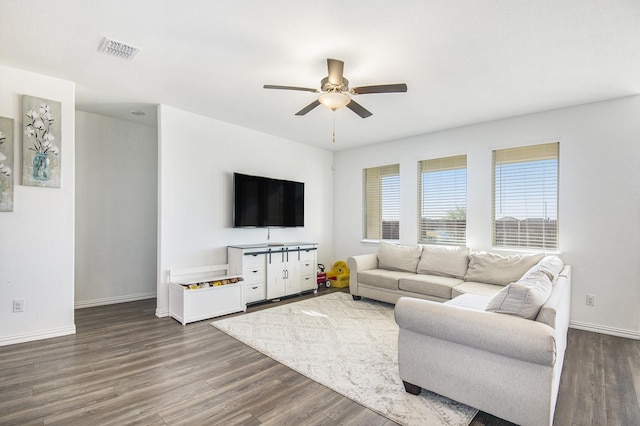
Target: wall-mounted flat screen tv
{"points": [[263, 202]]}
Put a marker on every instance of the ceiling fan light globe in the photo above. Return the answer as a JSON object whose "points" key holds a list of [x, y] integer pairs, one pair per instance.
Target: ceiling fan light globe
{"points": [[334, 101]]}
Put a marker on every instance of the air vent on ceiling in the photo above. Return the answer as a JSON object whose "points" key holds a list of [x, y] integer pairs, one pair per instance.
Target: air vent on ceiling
{"points": [[118, 49]]}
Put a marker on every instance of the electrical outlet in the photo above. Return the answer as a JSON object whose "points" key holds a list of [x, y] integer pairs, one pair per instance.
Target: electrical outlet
{"points": [[591, 300], [18, 305]]}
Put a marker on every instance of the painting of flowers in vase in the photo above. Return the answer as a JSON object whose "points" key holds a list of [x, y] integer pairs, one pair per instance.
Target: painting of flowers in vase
{"points": [[41, 142], [6, 164]]}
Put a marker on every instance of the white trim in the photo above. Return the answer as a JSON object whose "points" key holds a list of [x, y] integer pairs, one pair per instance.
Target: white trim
{"points": [[113, 300], [162, 314], [603, 329], [38, 335]]}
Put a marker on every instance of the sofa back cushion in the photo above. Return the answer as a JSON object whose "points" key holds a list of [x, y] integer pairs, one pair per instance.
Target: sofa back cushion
{"points": [[523, 298], [444, 261], [398, 258], [495, 269]]}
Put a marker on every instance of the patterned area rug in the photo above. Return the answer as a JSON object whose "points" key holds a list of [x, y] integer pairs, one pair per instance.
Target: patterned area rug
{"points": [[349, 346]]}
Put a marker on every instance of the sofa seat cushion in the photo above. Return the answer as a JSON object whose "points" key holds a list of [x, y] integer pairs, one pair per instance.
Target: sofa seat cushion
{"points": [[431, 285], [473, 287], [495, 269], [477, 302], [382, 278], [443, 260]]}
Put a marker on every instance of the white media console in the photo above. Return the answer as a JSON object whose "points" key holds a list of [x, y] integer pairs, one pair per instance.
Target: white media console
{"points": [[274, 271]]}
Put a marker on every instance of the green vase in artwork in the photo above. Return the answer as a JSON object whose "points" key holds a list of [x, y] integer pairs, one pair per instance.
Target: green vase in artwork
{"points": [[41, 167]]}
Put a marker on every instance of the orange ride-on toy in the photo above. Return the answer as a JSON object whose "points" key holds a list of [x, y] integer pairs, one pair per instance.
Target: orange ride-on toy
{"points": [[322, 277]]}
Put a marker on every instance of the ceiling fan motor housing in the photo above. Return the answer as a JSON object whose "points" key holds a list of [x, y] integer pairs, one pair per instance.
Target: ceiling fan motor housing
{"points": [[327, 86]]}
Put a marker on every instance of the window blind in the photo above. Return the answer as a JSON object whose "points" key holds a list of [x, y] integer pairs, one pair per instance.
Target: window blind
{"points": [[442, 200], [525, 196], [381, 202]]}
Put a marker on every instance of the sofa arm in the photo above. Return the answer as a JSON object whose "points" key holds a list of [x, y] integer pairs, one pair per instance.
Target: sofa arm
{"points": [[502, 334], [362, 262]]}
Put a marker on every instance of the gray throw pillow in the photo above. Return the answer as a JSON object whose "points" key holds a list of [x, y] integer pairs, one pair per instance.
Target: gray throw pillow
{"points": [[398, 258]]}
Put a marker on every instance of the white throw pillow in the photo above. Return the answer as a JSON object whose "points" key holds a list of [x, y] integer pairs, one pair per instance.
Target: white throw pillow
{"points": [[398, 258], [492, 268], [444, 261], [552, 266], [523, 298]]}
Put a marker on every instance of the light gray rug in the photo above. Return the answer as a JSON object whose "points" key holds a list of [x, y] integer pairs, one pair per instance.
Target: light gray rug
{"points": [[350, 347]]}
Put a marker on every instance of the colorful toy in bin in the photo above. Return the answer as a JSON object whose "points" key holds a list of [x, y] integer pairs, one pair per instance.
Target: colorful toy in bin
{"points": [[339, 275]]}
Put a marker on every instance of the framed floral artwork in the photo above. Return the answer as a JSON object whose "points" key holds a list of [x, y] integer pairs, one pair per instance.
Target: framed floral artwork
{"points": [[41, 142], [6, 164]]}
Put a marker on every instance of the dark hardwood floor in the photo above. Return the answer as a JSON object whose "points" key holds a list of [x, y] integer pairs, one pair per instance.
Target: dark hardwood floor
{"points": [[125, 366]]}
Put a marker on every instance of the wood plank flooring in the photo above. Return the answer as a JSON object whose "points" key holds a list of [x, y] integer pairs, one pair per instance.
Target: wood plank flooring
{"points": [[125, 366]]}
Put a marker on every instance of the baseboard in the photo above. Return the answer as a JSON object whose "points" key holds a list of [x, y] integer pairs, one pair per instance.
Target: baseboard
{"points": [[39, 335], [162, 314], [602, 329], [113, 300]]}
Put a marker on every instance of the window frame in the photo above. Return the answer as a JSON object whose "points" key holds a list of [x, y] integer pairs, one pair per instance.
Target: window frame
{"points": [[451, 189], [533, 233], [373, 207]]}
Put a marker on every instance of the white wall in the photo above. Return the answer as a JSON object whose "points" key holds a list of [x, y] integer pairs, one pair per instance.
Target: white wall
{"points": [[116, 210], [197, 157], [599, 197], [37, 238]]}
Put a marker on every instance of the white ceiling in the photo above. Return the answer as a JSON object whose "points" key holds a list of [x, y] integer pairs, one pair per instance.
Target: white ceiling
{"points": [[464, 61]]}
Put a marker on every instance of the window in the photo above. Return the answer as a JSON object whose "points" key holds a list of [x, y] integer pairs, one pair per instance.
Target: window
{"points": [[525, 196], [442, 200], [381, 202]]}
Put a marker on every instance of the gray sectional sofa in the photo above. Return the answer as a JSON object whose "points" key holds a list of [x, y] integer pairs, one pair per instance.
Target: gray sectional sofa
{"points": [[497, 341]]}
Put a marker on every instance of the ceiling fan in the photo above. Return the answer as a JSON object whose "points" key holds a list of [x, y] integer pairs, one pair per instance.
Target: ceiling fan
{"points": [[335, 91]]}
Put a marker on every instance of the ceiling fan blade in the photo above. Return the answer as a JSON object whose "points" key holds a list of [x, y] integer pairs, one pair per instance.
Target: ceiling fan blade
{"points": [[303, 89], [336, 71], [359, 109], [308, 108], [380, 88]]}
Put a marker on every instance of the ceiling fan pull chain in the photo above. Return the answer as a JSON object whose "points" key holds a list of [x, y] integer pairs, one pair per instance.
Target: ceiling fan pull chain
{"points": [[334, 126]]}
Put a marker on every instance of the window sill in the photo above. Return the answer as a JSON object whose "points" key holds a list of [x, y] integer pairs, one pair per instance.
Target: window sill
{"points": [[524, 250], [369, 241]]}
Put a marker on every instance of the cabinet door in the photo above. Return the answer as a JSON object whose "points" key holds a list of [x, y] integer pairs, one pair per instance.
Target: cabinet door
{"points": [[292, 273], [276, 263]]}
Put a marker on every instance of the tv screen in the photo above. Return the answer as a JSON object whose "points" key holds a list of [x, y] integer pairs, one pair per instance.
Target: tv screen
{"points": [[265, 202]]}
